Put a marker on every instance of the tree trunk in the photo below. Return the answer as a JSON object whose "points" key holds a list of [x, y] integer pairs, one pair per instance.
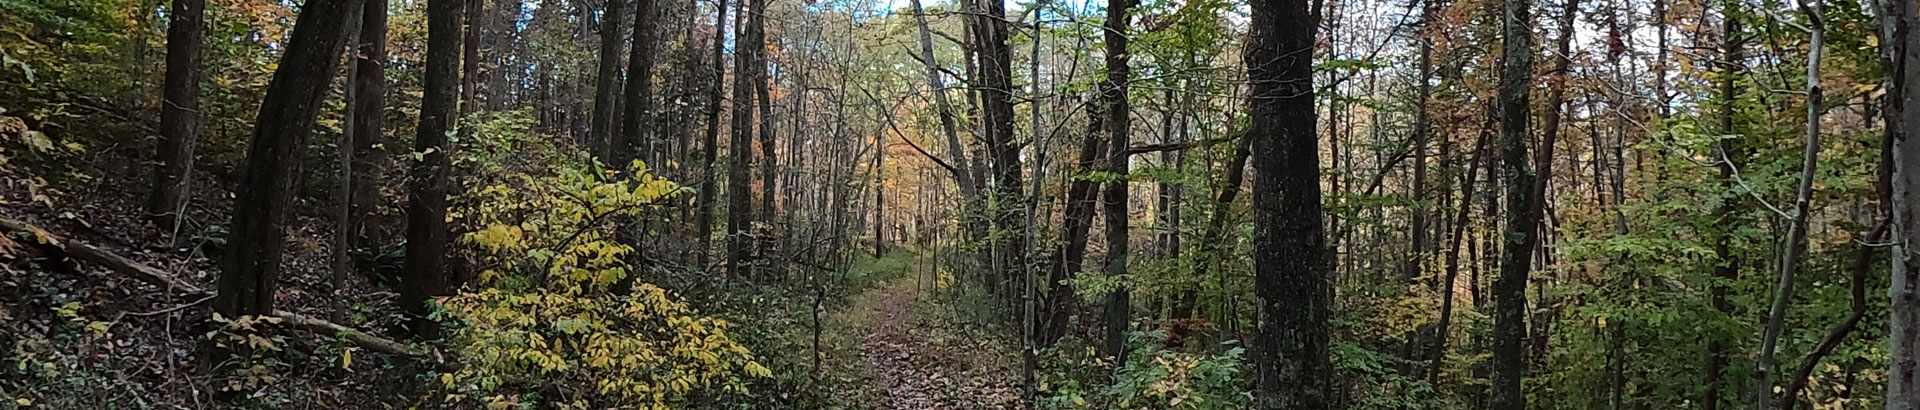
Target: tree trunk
{"points": [[996, 97], [426, 262], [635, 139], [1510, 287], [1438, 355], [1076, 221], [1797, 224], [709, 148], [265, 192], [962, 172], [1119, 309], [470, 62], [762, 85], [340, 262], [606, 83], [1543, 160], [1291, 274], [369, 112], [1728, 213], [179, 114], [740, 149], [1900, 55]]}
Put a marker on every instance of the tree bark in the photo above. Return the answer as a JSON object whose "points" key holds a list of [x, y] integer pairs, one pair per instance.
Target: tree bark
{"points": [[635, 139], [1900, 55], [1291, 274], [265, 192], [1076, 222], [1797, 224], [179, 113], [996, 99], [1119, 306], [1438, 355], [740, 149], [470, 62], [762, 87], [1728, 213], [369, 112], [962, 172], [426, 261], [710, 147], [606, 83], [1543, 159], [1509, 288]]}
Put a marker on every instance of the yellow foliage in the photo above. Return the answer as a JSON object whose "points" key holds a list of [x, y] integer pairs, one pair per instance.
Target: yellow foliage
{"points": [[551, 311]]}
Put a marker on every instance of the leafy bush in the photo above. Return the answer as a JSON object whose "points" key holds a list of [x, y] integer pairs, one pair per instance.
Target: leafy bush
{"points": [[1153, 377], [558, 316]]}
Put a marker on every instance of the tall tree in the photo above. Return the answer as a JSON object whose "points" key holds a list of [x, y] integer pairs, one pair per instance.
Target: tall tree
{"points": [[1543, 154], [996, 100], [1119, 309], [475, 21], [762, 88], [179, 112], [740, 149], [251, 269], [369, 112], [710, 147], [1900, 55], [426, 261], [1728, 214], [606, 83], [962, 176], [1076, 221], [1523, 220], [1291, 273], [635, 141], [1796, 239]]}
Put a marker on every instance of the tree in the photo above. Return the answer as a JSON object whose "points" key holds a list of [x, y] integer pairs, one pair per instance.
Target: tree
{"points": [[1119, 304], [426, 261], [1900, 54], [635, 131], [606, 83], [470, 50], [179, 113], [1796, 221], [746, 49], [710, 147], [264, 195], [367, 132], [1523, 221], [1291, 275], [996, 100], [1728, 214]]}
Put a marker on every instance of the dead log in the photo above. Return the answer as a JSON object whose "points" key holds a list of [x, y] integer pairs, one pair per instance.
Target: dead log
{"points": [[85, 253], [362, 339], [160, 278]]}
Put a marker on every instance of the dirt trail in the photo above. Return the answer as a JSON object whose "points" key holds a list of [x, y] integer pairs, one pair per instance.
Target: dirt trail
{"points": [[921, 370]]}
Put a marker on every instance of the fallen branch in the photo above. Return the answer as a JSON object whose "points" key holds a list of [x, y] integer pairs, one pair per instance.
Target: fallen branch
{"points": [[160, 278], [362, 339], [83, 252]]}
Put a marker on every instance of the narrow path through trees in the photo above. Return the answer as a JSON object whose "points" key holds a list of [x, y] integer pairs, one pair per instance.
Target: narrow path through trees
{"points": [[922, 361]]}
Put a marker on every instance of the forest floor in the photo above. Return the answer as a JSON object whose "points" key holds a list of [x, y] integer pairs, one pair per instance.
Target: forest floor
{"points": [[923, 353]]}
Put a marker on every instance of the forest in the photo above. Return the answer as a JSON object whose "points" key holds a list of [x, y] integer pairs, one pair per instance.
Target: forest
{"points": [[960, 204]]}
